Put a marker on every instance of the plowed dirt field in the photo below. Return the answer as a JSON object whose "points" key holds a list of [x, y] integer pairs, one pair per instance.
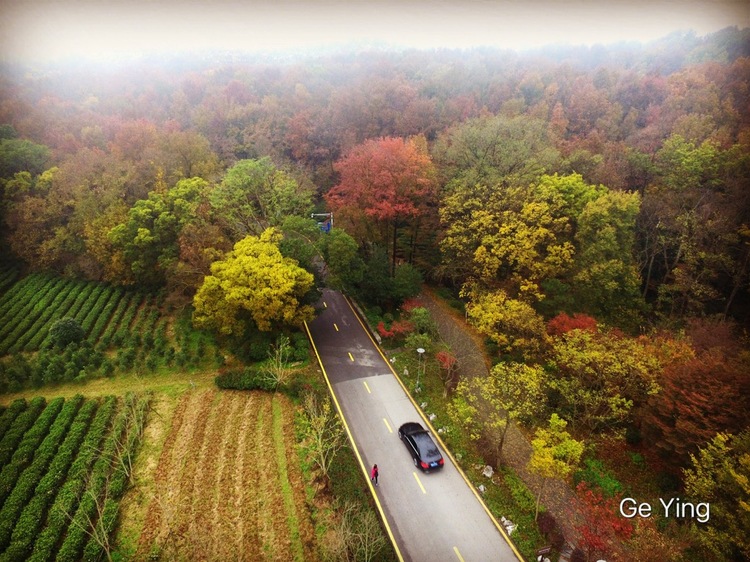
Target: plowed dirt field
{"points": [[227, 485]]}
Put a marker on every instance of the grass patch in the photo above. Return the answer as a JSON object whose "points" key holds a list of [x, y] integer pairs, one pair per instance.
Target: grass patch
{"points": [[286, 488], [170, 382]]}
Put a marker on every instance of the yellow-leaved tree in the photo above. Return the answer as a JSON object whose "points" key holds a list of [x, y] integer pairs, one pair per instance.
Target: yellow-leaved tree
{"points": [[254, 283]]}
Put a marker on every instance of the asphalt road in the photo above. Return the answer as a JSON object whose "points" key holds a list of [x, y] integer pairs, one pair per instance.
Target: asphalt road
{"points": [[431, 517]]}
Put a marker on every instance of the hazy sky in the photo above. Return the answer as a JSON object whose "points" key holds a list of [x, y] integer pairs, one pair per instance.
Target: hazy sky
{"points": [[45, 29]]}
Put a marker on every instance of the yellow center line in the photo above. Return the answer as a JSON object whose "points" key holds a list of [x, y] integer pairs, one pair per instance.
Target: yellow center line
{"points": [[350, 356], [387, 425], [419, 482], [458, 554], [367, 387], [335, 326]]}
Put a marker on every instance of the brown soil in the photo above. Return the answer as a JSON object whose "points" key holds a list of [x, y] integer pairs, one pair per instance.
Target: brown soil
{"points": [[217, 489]]}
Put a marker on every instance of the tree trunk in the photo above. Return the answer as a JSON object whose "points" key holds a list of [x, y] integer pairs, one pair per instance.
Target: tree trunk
{"points": [[539, 498], [737, 284], [393, 259], [648, 275], [505, 431]]}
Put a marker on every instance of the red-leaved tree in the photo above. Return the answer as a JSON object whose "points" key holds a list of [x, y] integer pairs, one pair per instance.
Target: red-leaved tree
{"points": [[385, 184], [562, 323], [604, 528]]}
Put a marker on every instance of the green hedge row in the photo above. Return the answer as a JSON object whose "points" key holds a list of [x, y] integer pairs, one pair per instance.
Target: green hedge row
{"points": [[42, 333], [95, 487], [10, 414], [94, 309], [7, 278], [33, 515], [119, 479], [17, 298], [35, 305], [41, 320], [104, 316], [15, 433], [73, 308], [245, 379], [67, 498], [43, 454], [117, 315], [123, 330], [24, 453]]}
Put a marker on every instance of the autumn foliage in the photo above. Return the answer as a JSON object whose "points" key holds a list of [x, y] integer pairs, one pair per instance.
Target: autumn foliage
{"points": [[384, 184], [399, 328], [562, 323], [604, 528]]}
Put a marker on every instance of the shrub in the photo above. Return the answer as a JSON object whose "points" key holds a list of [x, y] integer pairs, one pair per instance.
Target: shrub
{"points": [[407, 282], [300, 347], [523, 497], [247, 379], [546, 523], [65, 331], [595, 475], [423, 322]]}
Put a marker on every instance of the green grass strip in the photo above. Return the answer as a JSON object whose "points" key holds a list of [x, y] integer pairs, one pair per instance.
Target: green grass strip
{"points": [[292, 518]]}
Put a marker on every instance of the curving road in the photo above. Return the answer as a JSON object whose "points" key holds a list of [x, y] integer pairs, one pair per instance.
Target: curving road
{"points": [[436, 516]]}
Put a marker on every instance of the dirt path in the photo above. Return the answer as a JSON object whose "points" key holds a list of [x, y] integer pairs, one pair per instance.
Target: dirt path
{"points": [[558, 497]]}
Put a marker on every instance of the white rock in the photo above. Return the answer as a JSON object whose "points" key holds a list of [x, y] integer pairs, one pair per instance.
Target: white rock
{"points": [[488, 472]]}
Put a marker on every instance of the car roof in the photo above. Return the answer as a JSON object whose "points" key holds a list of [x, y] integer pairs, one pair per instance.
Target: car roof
{"points": [[426, 445]]}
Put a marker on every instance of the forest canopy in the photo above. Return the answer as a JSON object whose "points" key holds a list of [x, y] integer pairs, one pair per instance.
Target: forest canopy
{"points": [[609, 181]]}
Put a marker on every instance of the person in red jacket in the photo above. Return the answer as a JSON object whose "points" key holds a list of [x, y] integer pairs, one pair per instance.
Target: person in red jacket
{"points": [[374, 474]]}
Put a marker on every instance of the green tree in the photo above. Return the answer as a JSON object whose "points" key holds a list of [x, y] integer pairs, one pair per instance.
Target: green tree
{"points": [[555, 454], [606, 281], [407, 282], [254, 286], [254, 195], [301, 241], [22, 155], [719, 475], [486, 405], [496, 150], [65, 331], [341, 254], [149, 238]]}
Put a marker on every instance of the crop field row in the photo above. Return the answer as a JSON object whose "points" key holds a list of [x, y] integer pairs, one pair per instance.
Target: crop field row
{"points": [[65, 465], [7, 278], [107, 314], [228, 484]]}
